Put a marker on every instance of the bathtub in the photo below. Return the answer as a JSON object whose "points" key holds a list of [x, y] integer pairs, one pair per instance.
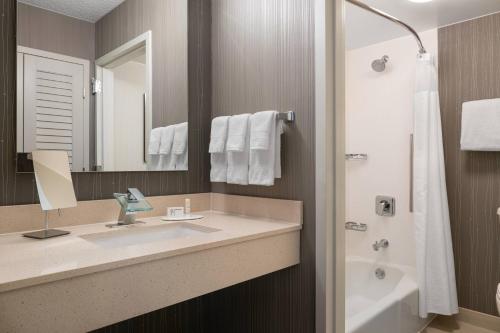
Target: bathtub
{"points": [[388, 305]]}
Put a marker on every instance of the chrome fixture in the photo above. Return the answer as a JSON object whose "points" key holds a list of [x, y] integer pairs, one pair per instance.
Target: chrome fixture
{"points": [[384, 244], [131, 202], [385, 206], [378, 65], [380, 273], [412, 153], [378, 12], [288, 116], [356, 226], [356, 157]]}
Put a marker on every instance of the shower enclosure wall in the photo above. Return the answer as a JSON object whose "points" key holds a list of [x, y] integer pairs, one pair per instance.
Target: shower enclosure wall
{"points": [[379, 113]]}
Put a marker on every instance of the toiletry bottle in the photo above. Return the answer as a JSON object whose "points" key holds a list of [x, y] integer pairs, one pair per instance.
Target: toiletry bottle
{"points": [[187, 207]]}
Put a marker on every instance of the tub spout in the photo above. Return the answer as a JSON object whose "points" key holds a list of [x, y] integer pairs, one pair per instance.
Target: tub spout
{"points": [[384, 243]]}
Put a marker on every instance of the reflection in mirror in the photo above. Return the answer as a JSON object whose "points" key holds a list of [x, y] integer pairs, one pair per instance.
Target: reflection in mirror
{"points": [[99, 82]]}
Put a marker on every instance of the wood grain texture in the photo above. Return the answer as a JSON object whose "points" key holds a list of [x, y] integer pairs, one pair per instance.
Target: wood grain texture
{"points": [[20, 188], [167, 19], [469, 69], [263, 59], [44, 30]]}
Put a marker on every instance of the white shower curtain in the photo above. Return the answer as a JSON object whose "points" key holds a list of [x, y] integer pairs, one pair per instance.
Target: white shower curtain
{"points": [[435, 266]]}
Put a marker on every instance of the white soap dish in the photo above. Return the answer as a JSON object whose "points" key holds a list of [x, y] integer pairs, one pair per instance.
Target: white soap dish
{"points": [[182, 218]]}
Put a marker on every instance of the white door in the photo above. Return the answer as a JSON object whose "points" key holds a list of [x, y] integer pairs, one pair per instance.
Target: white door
{"points": [[54, 107]]}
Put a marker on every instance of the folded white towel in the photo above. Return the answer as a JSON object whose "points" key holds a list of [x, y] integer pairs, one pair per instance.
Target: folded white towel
{"points": [[262, 124], [481, 125], [180, 138], [218, 170], [218, 134], [238, 147], [180, 147], [237, 132], [166, 139], [265, 164], [154, 141]]}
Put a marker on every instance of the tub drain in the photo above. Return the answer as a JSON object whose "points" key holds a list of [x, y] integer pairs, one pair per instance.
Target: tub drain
{"points": [[380, 273]]}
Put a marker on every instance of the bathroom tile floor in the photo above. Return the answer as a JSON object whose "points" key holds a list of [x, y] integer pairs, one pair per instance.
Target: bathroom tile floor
{"points": [[447, 325]]}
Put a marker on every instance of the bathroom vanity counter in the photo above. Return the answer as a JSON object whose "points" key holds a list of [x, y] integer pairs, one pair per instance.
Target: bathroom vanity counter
{"points": [[31, 262], [97, 276]]}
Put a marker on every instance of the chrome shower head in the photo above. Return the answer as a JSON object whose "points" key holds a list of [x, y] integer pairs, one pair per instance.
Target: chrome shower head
{"points": [[379, 64]]}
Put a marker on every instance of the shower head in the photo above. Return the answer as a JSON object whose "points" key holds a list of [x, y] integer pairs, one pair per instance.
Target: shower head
{"points": [[378, 65]]}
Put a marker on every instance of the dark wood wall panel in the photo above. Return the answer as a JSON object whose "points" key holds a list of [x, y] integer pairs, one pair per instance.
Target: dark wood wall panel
{"points": [[45, 30], [469, 69], [20, 188], [263, 59]]}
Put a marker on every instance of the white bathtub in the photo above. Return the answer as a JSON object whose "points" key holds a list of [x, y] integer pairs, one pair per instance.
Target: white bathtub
{"points": [[389, 305]]}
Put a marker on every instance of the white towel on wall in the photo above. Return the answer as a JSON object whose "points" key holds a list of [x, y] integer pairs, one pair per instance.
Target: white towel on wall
{"points": [[238, 149], [217, 149], [218, 134], [154, 141], [481, 125], [166, 139], [180, 146], [218, 170], [262, 124], [265, 146]]}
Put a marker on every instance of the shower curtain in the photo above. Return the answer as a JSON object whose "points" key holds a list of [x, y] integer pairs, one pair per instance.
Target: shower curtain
{"points": [[435, 266]]}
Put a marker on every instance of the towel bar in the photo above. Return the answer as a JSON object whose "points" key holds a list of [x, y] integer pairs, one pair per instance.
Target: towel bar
{"points": [[288, 116]]}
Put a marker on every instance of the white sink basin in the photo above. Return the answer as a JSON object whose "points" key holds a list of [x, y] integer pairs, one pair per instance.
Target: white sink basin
{"points": [[143, 234]]}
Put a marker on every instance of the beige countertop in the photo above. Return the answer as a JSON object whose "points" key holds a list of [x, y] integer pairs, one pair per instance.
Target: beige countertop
{"points": [[27, 262]]}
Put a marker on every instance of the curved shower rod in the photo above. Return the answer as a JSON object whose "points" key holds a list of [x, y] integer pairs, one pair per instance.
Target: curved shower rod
{"points": [[393, 19]]}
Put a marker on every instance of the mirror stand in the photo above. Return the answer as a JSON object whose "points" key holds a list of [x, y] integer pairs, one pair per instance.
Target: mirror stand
{"points": [[46, 233]]}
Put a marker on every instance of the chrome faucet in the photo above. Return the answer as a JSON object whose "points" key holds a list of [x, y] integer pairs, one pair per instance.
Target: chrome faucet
{"points": [[131, 202], [384, 244]]}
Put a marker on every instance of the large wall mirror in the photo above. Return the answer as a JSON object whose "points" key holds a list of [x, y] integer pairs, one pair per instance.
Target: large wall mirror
{"points": [[106, 81]]}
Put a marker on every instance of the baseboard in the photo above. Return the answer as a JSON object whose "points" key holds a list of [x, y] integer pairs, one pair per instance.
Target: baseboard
{"points": [[479, 319]]}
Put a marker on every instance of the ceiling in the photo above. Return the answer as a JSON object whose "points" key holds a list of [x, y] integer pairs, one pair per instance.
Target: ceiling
{"points": [[364, 28], [87, 10]]}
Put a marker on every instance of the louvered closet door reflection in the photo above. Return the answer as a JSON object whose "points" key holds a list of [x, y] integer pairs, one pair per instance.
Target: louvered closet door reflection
{"points": [[53, 107]]}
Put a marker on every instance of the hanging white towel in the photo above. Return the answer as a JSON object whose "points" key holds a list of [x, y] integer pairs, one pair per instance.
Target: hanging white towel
{"points": [[218, 170], [481, 125], [237, 132], [435, 266], [166, 139], [180, 146], [217, 149], [154, 141], [265, 161], [262, 124], [238, 149], [218, 134]]}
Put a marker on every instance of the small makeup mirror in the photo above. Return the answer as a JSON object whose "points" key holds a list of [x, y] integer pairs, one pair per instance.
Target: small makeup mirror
{"points": [[54, 185]]}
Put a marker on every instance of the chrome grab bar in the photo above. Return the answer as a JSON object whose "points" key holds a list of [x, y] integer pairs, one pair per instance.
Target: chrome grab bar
{"points": [[356, 226], [412, 148]]}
